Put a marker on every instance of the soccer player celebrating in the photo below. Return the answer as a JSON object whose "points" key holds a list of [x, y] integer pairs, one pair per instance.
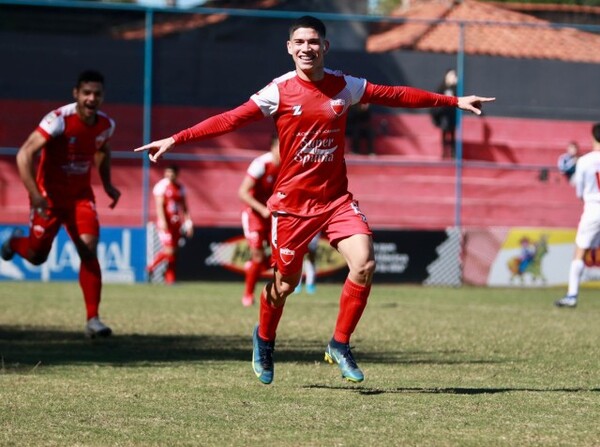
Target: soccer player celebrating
{"points": [[309, 106], [172, 220], [71, 139], [588, 231], [254, 191]]}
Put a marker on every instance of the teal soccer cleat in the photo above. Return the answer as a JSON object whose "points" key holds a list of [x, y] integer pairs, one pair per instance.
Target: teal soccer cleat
{"points": [[262, 357], [341, 354]]}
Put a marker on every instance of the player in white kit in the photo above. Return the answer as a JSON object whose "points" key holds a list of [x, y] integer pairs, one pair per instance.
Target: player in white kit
{"points": [[587, 187]]}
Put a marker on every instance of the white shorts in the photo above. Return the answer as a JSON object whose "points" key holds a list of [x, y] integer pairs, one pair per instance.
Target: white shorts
{"points": [[588, 231]]}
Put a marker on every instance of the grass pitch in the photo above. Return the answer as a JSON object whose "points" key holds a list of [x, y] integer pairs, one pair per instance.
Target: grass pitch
{"points": [[443, 367]]}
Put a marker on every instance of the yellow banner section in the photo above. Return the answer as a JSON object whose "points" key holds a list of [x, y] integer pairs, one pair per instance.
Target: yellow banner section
{"points": [[553, 236]]}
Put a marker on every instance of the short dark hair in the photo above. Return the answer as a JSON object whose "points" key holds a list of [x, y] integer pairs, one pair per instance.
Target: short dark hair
{"points": [[309, 22], [173, 168], [596, 132], [89, 76]]}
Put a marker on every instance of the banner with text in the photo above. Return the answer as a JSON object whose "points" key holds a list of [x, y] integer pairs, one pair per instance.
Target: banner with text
{"points": [[427, 257], [120, 253]]}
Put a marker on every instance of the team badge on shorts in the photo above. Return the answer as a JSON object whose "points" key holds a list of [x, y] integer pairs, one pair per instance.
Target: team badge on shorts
{"points": [[286, 255], [358, 212]]}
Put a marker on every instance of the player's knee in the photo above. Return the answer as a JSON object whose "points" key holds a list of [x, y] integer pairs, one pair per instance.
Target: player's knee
{"points": [[286, 289], [37, 258], [87, 252], [366, 269]]}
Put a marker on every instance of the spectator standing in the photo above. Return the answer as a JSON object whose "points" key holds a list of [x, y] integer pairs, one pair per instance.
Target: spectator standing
{"points": [[445, 117], [568, 160]]}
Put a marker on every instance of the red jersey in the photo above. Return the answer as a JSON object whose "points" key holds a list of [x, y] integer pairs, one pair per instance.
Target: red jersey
{"points": [[311, 123], [64, 171], [173, 195], [264, 173]]}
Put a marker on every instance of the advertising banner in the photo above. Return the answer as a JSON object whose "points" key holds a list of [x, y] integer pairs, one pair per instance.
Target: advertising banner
{"points": [[428, 257], [524, 257], [120, 254]]}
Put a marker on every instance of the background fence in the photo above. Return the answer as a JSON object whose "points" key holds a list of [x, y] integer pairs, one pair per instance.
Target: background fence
{"points": [[167, 69]]}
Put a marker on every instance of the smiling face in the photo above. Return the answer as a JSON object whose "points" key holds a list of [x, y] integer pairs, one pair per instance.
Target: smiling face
{"points": [[89, 97], [308, 49]]}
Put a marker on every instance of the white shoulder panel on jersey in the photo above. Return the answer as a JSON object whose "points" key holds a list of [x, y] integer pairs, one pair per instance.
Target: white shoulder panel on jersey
{"points": [[356, 87], [109, 132], [258, 166], [160, 187], [54, 122], [267, 99]]}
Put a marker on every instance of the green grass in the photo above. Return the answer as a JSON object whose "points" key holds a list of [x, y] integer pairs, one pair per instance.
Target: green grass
{"points": [[443, 367]]}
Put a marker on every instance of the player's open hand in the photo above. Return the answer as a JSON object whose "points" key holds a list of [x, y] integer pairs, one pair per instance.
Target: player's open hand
{"points": [[114, 194], [473, 103], [157, 148]]}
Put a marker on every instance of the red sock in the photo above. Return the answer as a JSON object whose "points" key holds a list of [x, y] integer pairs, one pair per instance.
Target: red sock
{"points": [[160, 257], [170, 272], [352, 304], [20, 245], [252, 274], [269, 317], [90, 280]]}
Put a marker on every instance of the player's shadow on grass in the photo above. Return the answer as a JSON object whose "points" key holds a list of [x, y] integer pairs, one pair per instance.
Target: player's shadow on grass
{"points": [[21, 348], [449, 390]]}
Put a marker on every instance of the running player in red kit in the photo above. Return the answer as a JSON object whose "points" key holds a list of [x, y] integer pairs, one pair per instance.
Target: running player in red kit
{"points": [[255, 190], [309, 106], [71, 139], [172, 220]]}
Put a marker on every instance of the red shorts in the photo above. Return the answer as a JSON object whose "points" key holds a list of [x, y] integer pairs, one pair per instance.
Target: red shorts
{"points": [[170, 237], [80, 218], [257, 229], [292, 234]]}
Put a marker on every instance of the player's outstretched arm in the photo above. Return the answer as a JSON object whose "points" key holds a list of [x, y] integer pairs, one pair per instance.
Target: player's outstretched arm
{"points": [[157, 148], [473, 103]]}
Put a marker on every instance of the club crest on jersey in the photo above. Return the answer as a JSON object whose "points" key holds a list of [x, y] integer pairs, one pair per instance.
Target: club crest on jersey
{"points": [[338, 106], [286, 255]]}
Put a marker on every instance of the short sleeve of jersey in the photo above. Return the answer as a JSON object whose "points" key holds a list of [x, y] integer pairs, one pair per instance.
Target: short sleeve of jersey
{"points": [[356, 87], [53, 124], [267, 99], [257, 168], [108, 133], [160, 188]]}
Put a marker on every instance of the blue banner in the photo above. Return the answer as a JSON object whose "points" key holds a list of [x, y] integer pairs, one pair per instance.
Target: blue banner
{"points": [[121, 252]]}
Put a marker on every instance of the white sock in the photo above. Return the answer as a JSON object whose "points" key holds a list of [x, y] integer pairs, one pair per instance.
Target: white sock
{"points": [[575, 272], [309, 271]]}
